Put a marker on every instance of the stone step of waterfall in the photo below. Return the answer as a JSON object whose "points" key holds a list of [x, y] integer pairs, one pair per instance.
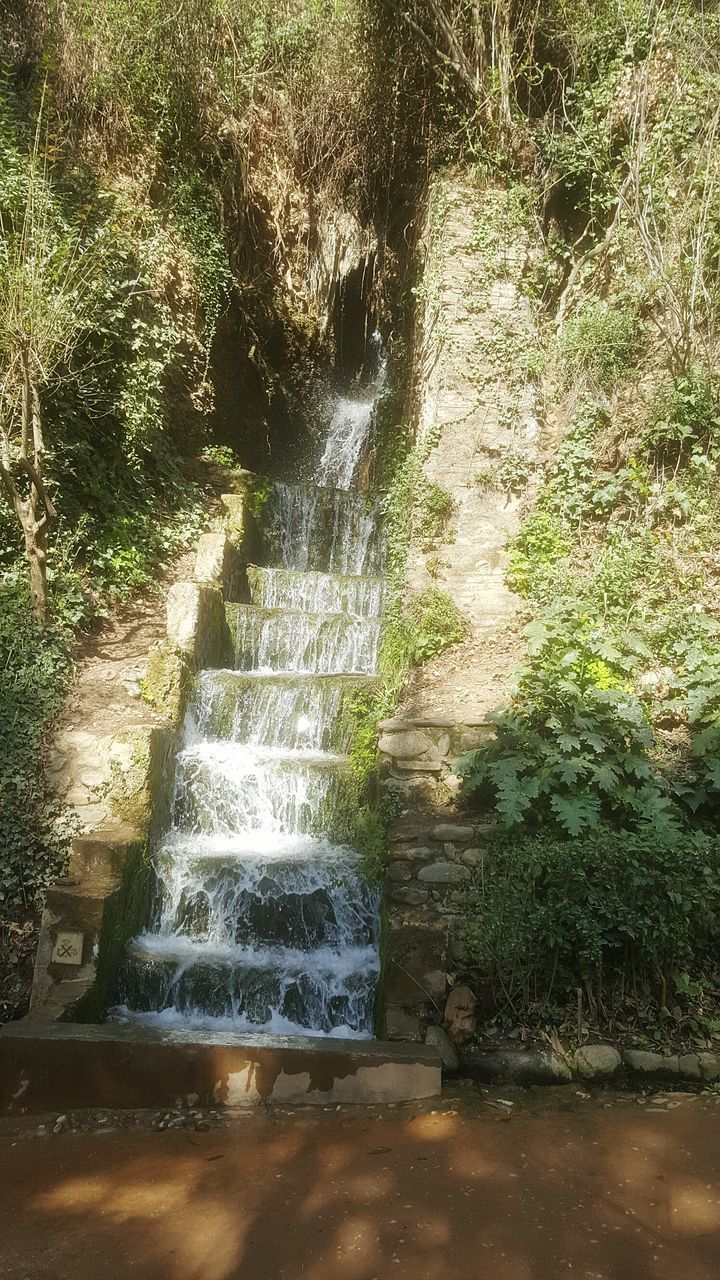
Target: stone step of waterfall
{"points": [[223, 787], [292, 710], [331, 530], [306, 893], [166, 981], [294, 640], [361, 597]]}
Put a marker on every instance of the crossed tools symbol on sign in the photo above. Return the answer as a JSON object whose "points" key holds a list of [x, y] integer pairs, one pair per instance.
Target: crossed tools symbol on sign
{"points": [[66, 948]]}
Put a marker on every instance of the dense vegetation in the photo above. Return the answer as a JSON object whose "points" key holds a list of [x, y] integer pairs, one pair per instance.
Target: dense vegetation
{"points": [[174, 180], [604, 774]]}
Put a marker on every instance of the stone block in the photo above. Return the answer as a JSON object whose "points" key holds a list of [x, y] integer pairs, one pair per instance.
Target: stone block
{"points": [[597, 1060], [183, 608], [409, 827], [401, 1023], [515, 1066], [61, 1066], [235, 514], [398, 871], [444, 873], [416, 965], [471, 857], [409, 852], [651, 1064], [410, 745], [196, 624], [709, 1065], [100, 853], [140, 777], [452, 831], [168, 682], [394, 725], [218, 564], [210, 559], [410, 897], [419, 766], [689, 1067]]}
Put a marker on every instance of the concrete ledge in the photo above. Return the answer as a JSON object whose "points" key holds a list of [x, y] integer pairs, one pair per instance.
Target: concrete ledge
{"points": [[46, 1067]]}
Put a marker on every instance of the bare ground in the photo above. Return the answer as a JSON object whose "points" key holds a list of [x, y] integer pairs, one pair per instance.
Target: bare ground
{"points": [[558, 1183]]}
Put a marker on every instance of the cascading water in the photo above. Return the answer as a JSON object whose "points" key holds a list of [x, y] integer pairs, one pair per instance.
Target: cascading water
{"points": [[261, 922]]}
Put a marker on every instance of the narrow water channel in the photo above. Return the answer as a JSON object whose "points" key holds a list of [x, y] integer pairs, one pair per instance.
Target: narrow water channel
{"points": [[261, 921]]}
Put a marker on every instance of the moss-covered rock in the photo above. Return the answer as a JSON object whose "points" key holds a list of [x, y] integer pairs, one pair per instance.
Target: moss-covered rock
{"points": [[196, 625], [124, 916], [168, 682], [140, 774]]}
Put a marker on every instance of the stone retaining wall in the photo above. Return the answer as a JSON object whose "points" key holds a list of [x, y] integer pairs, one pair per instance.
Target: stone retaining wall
{"points": [[432, 852]]}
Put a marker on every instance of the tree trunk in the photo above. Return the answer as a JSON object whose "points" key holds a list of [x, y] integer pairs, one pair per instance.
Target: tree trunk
{"points": [[36, 552]]}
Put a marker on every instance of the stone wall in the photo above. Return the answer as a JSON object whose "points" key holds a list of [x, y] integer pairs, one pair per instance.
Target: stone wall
{"points": [[432, 852], [478, 427], [478, 434]]}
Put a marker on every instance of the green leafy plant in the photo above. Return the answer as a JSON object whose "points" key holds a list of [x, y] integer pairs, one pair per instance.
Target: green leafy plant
{"points": [[574, 748], [49, 274], [625, 918]]}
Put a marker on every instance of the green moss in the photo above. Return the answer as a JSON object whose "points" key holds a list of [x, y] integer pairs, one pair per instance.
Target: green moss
{"points": [[124, 916], [379, 1015], [139, 776], [168, 683]]}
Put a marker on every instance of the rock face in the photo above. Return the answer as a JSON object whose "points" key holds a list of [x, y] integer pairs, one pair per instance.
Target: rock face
{"points": [[474, 405], [597, 1061]]}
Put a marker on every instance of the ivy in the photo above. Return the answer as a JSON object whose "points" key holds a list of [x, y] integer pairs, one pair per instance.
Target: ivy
{"points": [[34, 666]]}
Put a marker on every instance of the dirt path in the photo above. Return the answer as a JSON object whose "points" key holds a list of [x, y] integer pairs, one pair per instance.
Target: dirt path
{"points": [[600, 1188]]}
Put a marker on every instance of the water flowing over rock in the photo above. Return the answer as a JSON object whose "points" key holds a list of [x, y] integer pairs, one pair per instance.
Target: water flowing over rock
{"points": [[261, 919]]}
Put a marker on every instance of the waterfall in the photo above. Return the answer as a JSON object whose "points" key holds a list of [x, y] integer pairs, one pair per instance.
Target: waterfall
{"points": [[260, 920]]}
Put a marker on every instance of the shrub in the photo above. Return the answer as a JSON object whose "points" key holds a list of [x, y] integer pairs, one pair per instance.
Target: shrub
{"points": [[34, 664], [600, 341], [609, 911], [573, 749]]}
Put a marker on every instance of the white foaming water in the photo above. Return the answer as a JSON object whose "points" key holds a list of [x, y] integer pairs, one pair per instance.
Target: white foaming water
{"points": [[303, 642], [299, 712], [348, 434], [316, 592], [261, 921]]}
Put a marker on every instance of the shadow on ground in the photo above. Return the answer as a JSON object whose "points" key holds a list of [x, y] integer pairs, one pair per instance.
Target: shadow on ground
{"points": [[575, 1187]]}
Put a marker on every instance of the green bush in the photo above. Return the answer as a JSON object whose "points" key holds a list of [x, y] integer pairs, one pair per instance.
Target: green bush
{"points": [[612, 912], [34, 666], [574, 748], [601, 341]]}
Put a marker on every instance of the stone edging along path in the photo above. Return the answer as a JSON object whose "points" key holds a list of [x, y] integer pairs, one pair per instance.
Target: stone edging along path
{"points": [[601, 1063]]}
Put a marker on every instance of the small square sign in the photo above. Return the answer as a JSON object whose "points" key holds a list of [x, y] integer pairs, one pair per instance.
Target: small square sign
{"points": [[68, 948]]}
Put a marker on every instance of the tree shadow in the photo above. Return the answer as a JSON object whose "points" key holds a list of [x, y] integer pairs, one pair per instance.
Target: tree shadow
{"points": [[608, 1193]]}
